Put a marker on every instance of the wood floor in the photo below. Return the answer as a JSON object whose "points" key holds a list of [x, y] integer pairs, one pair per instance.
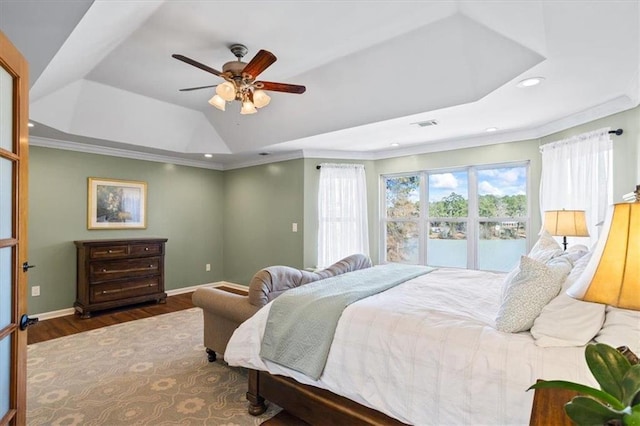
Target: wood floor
{"points": [[72, 324]]}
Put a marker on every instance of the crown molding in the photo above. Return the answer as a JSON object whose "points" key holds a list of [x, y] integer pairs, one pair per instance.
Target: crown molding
{"points": [[266, 159], [117, 152]]}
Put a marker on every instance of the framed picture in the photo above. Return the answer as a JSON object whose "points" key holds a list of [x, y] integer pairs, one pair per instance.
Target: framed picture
{"points": [[116, 204]]}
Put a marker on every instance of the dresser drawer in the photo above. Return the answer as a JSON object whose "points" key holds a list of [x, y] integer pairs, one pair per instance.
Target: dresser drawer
{"points": [[115, 269], [109, 252], [148, 249], [124, 289]]}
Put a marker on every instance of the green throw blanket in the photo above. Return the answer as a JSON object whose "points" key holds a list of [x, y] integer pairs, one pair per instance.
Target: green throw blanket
{"points": [[302, 321]]}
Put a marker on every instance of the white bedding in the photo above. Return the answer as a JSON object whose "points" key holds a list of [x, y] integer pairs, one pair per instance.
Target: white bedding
{"points": [[426, 352]]}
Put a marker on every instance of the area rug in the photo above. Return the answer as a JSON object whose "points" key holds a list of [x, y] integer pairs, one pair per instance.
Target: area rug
{"points": [[152, 371]]}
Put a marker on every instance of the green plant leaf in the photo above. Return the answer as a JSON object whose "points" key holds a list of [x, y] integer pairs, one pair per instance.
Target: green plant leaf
{"points": [[608, 366], [631, 385], [587, 411], [632, 419], [586, 390]]}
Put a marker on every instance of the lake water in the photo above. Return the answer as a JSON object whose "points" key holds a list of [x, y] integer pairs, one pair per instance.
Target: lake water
{"points": [[493, 255]]}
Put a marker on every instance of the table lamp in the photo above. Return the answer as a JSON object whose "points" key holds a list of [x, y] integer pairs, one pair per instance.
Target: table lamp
{"points": [[566, 223], [612, 276]]}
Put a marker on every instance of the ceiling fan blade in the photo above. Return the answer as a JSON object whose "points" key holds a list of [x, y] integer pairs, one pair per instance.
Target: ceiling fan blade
{"points": [[282, 87], [196, 88], [197, 64], [259, 63]]}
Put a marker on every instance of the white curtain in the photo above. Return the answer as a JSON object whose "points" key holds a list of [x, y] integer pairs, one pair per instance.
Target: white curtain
{"points": [[577, 175], [342, 212]]}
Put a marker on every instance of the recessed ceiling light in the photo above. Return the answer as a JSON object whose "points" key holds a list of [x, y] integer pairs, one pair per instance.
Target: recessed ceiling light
{"points": [[491, 129], [530, 82], [208, 155], [30, 124], [395, 144]]}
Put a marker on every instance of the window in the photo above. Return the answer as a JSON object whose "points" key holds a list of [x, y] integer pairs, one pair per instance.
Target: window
{"points": [[473, 217]]}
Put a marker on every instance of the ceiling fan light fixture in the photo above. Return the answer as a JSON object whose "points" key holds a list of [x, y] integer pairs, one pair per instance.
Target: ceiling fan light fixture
{"points": [[226, 91], [248, 108], [218, 102], [260, 98]]}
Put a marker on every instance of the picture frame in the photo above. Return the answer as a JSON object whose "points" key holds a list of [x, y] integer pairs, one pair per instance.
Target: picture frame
{"points": [[116, 204]]}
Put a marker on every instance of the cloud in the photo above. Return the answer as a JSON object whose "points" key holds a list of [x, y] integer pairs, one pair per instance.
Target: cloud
{"points": [[503, 181], [443, 181], [487, 188]]}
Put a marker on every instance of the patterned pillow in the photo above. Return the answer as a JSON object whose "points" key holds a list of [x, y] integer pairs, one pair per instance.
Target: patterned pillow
{"points": [[528, 292]]}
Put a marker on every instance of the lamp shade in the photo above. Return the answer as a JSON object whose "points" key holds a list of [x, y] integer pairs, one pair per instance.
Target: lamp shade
{"points": [[226, 91], [261, 99], [248, 108], [217, 102], [612, 276], [566, 223]]}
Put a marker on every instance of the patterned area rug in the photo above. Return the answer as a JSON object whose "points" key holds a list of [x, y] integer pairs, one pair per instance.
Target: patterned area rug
{"points": [[152, 371]]}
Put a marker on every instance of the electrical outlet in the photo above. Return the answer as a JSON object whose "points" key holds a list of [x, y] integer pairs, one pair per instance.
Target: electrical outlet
{"points": [[207, 267], [294, 227], [35, 290]]}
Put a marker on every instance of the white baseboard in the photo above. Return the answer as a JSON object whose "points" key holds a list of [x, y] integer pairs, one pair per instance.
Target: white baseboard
{"points": [[54, 314], [70, 311]]}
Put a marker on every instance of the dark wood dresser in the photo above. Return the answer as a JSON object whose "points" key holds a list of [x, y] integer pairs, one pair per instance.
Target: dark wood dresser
{"points": [[114, 273]]}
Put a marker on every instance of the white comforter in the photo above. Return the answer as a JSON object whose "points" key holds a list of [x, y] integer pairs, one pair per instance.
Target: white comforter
{"points": [[426, 352]]}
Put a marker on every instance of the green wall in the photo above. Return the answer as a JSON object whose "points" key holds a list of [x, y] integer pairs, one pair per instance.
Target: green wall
{"points": [[240, 220], [261, 204], [184, 204]]}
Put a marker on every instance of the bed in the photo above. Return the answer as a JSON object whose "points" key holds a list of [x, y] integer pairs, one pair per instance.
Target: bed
{"points": [[428, 351]]}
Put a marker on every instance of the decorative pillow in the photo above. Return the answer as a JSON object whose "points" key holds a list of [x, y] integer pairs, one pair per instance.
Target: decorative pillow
{"points": [[621, 328], [545, 248], [566, 321], [525, 296]]}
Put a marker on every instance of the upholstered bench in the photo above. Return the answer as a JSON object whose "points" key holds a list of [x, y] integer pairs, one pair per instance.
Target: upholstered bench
{"points": [[224, 311]]}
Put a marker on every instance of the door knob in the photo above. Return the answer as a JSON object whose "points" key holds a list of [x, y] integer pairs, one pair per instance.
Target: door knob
{"points": [[26, 266], [25, 322]]}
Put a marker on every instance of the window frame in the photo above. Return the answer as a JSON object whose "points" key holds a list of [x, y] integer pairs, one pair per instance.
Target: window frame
{"points": [[472, 220]]}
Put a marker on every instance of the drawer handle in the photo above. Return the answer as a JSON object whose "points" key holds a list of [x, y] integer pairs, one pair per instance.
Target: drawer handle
{"points": [[109, 251], [146, 249], [104, 270], [150, 266]]}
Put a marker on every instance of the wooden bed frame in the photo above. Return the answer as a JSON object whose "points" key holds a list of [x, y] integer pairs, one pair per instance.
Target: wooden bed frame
{"points": [[311, 404]]}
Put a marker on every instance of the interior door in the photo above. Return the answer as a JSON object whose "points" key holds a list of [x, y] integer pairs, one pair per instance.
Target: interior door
{"points": [[14, 82]]}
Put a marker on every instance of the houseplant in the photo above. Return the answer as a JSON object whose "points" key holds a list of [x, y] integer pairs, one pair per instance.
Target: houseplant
{"points": [[618, 400]]}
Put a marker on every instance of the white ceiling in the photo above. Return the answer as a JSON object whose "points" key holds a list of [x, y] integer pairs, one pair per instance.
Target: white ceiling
{"points": [[102, 74]]}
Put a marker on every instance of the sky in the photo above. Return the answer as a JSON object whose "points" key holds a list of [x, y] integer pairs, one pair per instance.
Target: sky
{"points": [[495, 181]]}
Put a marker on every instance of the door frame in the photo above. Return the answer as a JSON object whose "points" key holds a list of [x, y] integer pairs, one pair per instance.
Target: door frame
{"points": [[16, 65]]}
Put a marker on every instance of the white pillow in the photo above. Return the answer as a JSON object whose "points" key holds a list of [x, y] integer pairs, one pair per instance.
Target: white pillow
{"points": [[525, 296], [545, 248], [566, 321], [621, 328]]}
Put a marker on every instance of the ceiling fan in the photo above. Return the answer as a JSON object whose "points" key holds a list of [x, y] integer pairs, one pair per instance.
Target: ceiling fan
{"points": [[241, 84]]}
